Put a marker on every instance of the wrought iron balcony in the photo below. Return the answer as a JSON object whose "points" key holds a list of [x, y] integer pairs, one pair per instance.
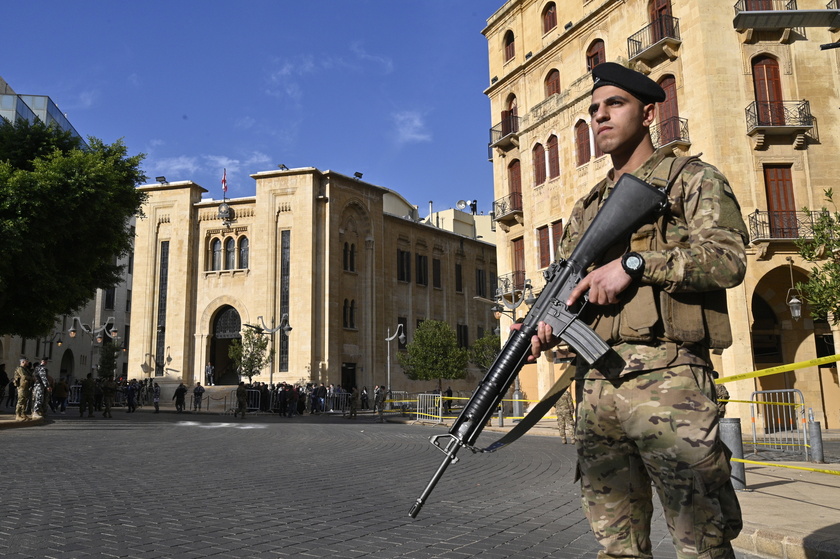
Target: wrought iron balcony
{"points": [[661, 36], [781, 14], [512, 283], [508, 208], [779, 117], [672, 130], [782, 225], [506, 133]]}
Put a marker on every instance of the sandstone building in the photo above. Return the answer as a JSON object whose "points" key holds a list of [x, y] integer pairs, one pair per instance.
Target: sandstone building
{"points": [[747, 86], [343, 262]]}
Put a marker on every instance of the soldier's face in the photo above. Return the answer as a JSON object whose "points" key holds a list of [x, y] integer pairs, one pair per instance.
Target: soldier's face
{"points": [[618, 120]]}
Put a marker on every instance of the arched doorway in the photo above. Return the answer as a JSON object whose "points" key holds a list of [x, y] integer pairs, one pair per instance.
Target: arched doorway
{"points": [[226, 327]]}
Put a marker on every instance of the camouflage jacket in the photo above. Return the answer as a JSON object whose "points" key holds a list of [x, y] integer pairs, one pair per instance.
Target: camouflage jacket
{"points": [[702, 239]]}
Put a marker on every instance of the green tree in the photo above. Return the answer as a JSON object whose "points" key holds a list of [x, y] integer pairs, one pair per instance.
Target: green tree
{"points": [[250, 354], [64, 211], [434, 354], [484, 351], [822, 289], [108, 359]]}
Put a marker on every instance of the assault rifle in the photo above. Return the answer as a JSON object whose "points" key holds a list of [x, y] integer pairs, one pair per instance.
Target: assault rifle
{"points": [[632, 203]]}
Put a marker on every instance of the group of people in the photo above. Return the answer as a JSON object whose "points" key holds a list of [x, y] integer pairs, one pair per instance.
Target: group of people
{"points": [[289, 400], [32, 391]]}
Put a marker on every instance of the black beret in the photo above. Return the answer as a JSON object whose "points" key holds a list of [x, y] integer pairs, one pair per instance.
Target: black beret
{"points": [[635, 83]]}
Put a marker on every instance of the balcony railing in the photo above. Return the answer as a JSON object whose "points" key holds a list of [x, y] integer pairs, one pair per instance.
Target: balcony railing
{"points": [[508, 128], [781, 225], [779, 114], [512, 283], [669, 131], [662, 29], [507, 206], [764, 5]]}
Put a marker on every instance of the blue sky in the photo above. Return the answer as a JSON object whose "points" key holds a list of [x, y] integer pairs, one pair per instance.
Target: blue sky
{"points": [[389, 88]]}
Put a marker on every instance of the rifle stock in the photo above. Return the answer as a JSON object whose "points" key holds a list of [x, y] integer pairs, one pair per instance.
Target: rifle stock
{"points": [[631, 203]]}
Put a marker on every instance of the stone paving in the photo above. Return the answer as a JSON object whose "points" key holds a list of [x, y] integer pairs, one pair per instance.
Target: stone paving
{"points": [[149, 486]]}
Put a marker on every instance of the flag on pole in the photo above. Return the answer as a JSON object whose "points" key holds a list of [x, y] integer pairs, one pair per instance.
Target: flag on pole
{"points": [[224, 181]]}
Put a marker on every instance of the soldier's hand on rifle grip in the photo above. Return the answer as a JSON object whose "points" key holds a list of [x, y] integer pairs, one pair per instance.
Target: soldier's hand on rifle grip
{"points": [[604, 284], [542, 341]]}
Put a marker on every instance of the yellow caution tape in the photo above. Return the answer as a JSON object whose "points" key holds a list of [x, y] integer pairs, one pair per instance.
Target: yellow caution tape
{"points": [[780, 369], [820, 470]]}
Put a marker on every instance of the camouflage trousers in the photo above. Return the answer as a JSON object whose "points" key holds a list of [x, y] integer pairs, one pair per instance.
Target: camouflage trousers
{"points": [[657, 427]]}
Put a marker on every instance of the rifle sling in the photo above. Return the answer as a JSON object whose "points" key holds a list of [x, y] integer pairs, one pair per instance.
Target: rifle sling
{"points": [[537, 412]]}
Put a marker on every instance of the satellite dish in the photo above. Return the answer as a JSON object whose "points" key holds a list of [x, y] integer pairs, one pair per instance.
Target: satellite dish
{"points": [[461, 204]]}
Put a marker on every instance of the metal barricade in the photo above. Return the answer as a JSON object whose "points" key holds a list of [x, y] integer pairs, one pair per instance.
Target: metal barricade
{"points": [[778, 421], [429, 408], [74, 397]]}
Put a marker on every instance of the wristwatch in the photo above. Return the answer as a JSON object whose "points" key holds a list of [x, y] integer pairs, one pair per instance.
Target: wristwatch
{"points": [[633, 264]]}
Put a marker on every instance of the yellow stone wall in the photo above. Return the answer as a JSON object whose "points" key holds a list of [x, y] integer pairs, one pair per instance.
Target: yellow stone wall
{"points": [[712, 68], [322, 211]]}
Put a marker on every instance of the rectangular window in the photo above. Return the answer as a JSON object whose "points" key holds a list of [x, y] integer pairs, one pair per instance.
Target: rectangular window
{"points": [[436, 279], [127, 300], [556, 235], [459, 282], [131, 262], [480, 283], [110, 298], [403, 265], [126, 336], [545, 246], [285, 276], [163, 293], [422, 264]]}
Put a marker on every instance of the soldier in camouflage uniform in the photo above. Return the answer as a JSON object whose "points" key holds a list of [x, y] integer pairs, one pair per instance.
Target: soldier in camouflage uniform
{"points": [[40, 387], [565, 410], [647, 412], [22, 379]]}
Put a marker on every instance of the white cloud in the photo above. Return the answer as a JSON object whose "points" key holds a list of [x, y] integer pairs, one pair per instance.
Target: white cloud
{"points": [[245, 122], [410, 127], [384, 62]]}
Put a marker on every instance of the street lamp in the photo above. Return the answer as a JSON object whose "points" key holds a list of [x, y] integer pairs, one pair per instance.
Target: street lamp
{"points": [[264, 329], [96, 333], [794, 299], [388, 339]]}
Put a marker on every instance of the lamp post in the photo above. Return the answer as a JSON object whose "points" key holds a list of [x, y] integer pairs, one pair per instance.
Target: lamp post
{"points": [[388, 339], [98, 333], [263, 329], [794, 299]]}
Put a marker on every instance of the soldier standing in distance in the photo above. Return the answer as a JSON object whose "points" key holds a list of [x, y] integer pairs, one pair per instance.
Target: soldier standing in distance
{"points": [[22, 380], [647, 411], [40, 387]]}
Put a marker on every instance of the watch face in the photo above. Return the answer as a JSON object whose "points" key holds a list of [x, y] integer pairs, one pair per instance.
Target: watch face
{"points": [[633, 262]]}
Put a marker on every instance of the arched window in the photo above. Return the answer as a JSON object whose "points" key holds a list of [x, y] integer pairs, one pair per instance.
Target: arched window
{"points": [[767, 84], [595, 54], [669, 113], [510, 46], [515, 184], [230, 254], [582, 143], [216, 254], [352, 257], [346, 257], [553, 158], [552, 83], [539, 164], [549, 17], [243, 253], [353, 313]]}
